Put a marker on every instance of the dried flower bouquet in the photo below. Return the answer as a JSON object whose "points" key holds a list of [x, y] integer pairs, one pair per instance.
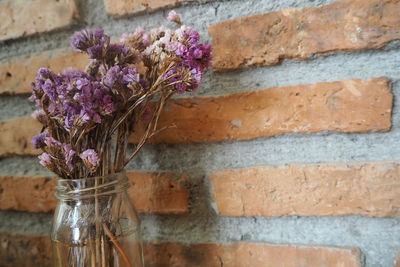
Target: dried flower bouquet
{"points": [[88, 115]]}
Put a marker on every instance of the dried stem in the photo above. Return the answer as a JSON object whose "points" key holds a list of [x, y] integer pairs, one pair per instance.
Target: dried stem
{"points": [[117, 246]]}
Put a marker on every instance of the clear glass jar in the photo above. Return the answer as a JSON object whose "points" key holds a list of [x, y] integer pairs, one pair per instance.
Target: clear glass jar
{"points": [[95, 224]]}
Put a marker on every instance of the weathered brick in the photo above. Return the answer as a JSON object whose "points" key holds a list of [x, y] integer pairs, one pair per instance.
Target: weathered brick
{"points": [[35, 194], [370, 189], [266, 39], [22, 18], [16, 136], [119, 8], [24, 250], [397, 261], [35, 250], [16, 75], [162, 192], [151, 192], [248, 254], [344, 106]]}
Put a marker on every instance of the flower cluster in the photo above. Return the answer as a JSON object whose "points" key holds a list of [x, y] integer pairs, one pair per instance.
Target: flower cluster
{"points": [[87, 115], [62, 155], [183, 43], [72, 97]]}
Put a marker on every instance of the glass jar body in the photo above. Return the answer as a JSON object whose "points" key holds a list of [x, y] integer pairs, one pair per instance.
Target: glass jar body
{"points": [[95, 224]]}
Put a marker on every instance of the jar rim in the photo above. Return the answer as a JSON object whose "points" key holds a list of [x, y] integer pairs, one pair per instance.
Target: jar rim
{"points": [[116, 174], [84, 188]]}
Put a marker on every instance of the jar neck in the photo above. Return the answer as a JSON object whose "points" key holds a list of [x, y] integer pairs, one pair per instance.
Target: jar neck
{"points": [[86, 188]]}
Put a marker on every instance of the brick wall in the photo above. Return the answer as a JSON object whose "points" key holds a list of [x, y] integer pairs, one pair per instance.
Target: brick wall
{"points": [[287, 156]]}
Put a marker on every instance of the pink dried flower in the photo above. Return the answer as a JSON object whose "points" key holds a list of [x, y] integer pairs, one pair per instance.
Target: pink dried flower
{"points": [[139, 31], [174, 17], [37, 114], [45, 160], [91, 159], [125, 37]]}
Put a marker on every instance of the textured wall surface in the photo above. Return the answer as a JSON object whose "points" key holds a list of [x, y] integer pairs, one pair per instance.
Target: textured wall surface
{"points": [[316, 185]]}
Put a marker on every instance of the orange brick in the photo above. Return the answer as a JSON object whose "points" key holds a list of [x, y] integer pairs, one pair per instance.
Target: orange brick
{"points": [[35, 250], [248, 254], [397, 261], [151, 192], [16, 75], [23, 18], [370, 189], [344, 106], [24, 250], [16, 136], [162, 192], [266, 39], [35, 194], [119, 8]]}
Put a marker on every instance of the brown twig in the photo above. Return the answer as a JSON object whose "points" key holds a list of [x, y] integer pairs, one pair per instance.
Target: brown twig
{"points": [[117, 246]]}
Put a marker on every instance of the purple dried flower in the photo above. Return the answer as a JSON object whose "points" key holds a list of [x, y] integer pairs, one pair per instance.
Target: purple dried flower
{"points": [[50, 90], [121, 54], [83, 40], [96, 51], [181, 50], [172, 77], [74, 97], [38, 141], [197, 76], [192, 36], [69, 121], [50, 141], [90, 158], [44, 73], [108, 104], [116, 76], [112, 76], [129, 75], [45, 160], [197, 57], [174, 17]]}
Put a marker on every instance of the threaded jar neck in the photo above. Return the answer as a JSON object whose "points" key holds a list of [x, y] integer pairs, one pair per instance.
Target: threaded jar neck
{"points": [[86, 188]]}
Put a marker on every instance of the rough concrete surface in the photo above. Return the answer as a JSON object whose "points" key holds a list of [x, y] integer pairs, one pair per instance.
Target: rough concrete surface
{"points": [[378, 238]]}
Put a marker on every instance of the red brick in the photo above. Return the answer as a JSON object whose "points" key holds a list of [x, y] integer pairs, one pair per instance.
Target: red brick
{"points": [[343, 106], [369, 189], [151, 192], [161, 192], [23, 18], [16, 75], [248, 254], [266, 39], [16, 136], [397, 261], [24, 250], [119, 8], [346, 106], [34, 250], [35, 194]]}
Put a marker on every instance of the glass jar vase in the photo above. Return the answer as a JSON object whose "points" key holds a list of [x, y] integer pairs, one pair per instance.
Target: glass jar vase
{"points": [[95, 224]]}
